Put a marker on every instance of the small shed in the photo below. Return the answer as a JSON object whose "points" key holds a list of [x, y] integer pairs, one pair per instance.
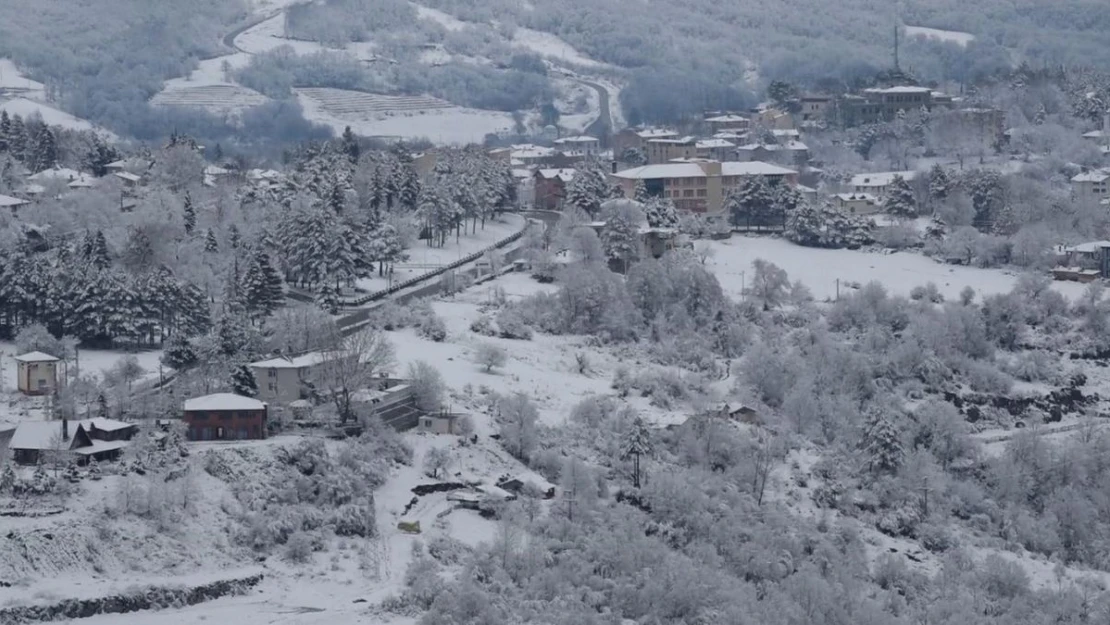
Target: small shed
{"points": [[38, 373], [442, 423]]}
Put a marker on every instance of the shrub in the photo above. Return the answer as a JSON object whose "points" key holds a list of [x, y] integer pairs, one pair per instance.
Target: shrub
{"points": [[298, 549], [511, 325], [483, 325]]}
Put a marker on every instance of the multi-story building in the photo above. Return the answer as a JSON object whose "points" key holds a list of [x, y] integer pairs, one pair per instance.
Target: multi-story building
{"points": [[877, 183], [699, 185], [815, 109], [882, 105], [550, 187], [665, 150], [715, 149], [637, 138], [728, 122], [580, 145], [224, 416], [1091, 187]]}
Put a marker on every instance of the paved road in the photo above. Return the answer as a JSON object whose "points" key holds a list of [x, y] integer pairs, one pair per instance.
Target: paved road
{"points": [[229, 39], [601, 127]]}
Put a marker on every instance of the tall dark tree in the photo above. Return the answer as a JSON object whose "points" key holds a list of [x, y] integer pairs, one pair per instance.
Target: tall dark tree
{"points": [[190, 214], [243, 381], [350, 145], [211, 244]]}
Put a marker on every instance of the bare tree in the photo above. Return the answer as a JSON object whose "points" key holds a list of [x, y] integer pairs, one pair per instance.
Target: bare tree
{"points": [[437, 459], [489, 356], [766, 453], [350, 366]]}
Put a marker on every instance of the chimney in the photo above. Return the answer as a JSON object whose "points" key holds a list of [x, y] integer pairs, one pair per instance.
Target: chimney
{"points": [[65, 429]]}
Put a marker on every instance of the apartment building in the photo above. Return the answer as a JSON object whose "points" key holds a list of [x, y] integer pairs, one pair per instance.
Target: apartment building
{"points": [[699, 185], [882, 105], [661, 151], [1091, 187]]}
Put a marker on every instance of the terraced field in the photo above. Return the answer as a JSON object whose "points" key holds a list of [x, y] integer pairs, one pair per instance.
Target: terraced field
{"points": [[216, 98], [345, 104]]}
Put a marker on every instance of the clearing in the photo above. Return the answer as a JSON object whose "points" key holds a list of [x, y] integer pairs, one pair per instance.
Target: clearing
{"points": [[213, 98], [52, 116], [950, 36], [13, 82], [819, 269]]}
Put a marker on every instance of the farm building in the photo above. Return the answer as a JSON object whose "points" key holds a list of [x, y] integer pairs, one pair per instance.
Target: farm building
{"points": [[442, 423], [225, 416], [37, 373]]}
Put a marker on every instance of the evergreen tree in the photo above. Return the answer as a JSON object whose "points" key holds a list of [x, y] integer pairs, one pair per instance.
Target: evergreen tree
{"points": [[350, 145], [190, 214], [100, 257], [5, 130], [637, 443], [262, 286], [243, 382], [17, 138], [211, 245], [42, 149], [328, 297], [883, 445], [751, 203], [661, 213], [640, 194], [620, 237], [179, 353], [99, 156], [900, 201], [233, 236], [940, 184]]}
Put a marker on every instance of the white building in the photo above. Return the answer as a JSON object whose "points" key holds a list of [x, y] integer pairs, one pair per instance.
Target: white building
{"points": [[877, 183], [1091, 186], [580, 145]]}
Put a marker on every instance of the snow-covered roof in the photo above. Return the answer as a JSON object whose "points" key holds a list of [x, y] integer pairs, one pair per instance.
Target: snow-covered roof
{"points": [[213, 170], [263, 174], [881, 178], [32, 189], [857, 197], [36, 357], [107, 425], [41, 435], [10, 202], [128, 176], [520, 172], [903, 89], [565, 174], [655, 133], [801, 188], [99, 447], [726, 119], [576, 139], [706, 144], [62, 173], [675, 140], [785, 132], [1097, 175], [1087, 248], [80, 183], [692, 169], [296, 362], [794, 146], [223, 401], [730, 136], [120, 164]]}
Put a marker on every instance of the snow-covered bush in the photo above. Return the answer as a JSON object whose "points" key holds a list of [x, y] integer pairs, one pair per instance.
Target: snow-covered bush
{"points": [[511, 325], [483, 325], [298, 549]]}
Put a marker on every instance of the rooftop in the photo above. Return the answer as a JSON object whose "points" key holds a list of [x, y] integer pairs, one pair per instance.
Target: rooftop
{"points": [[655, 133], [44, 435], [62, 173], [128, 176], [676, 140], [565, 174], [903, 89], [881, 178], [296, 362], [857, 197], [577, 139], [726, 119], [10, 202], [1097, 175], [223, 401], [706, 144], [36, 357], [1088, 248], [691, 168]]}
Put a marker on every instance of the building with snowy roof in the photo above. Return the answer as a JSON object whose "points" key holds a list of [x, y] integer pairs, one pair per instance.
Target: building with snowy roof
{"points": [[699, 185], [287, 378], [550, 187], [1091, 186], [225, 416], [38, 373], [11, 203], [877, 183], [33, 442]]}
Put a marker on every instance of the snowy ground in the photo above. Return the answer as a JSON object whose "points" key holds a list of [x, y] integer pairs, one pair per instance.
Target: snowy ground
{"points": [[12, 80], [50, 115], [449, 22], [15, 407], [953, 36], [819, 269], [423, 258], [551, 46], [571, 91]]}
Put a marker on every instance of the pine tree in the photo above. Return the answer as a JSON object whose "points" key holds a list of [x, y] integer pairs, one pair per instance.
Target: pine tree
{"points": [[5, 130], [211, 245], [620, 237], [661, 213], [637, 443], [190, 214], [751, 203], [99, 156], [233, 236], [100, 257], [640, 193], [805, 226], [940, 185], [900, 201], [883, 445], [17, 138], [179, 353], [350, 145], [42, 152], [328, 297], [243, 382]]}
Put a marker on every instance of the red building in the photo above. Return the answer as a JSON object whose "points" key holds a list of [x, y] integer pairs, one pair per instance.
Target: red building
{"points": [[225, 417], [551, 188]]}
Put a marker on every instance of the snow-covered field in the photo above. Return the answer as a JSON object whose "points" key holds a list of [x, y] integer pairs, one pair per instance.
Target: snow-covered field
{"points": [[819, 269], [423, 258], [50, 115], [11, 79], [449, 22], [443, 124], [952, 36], [214, 98], [551, 46], [569, 92]]}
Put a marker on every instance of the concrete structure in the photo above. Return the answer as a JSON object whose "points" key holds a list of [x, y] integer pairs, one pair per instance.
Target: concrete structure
{"points": [[439, 423], [857, 203], [225, 416], [551, 188], [1084, 262], [1091, 186], [666, 150], [815, 109], [882, 105], [11, 203], [64, 441], [580, 145], [728, 122], [637, 138], [38, 373], [877, 183], [715, 149], [284, 380], [699, 185], [790, 152]]}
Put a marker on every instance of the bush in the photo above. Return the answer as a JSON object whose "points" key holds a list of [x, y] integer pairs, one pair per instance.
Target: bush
{"points": [[298, 549], [483, 325], [511, 325], [936, 538]]}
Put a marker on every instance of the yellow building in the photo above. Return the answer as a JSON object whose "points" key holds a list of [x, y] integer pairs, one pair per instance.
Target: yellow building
{"points": [[699, 185]]}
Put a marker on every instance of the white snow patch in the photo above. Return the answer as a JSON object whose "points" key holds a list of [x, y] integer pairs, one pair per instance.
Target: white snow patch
{"points": [[449, 22], [12, 80], [549, 45], [819, 269], [50, 115], [953, 36]]}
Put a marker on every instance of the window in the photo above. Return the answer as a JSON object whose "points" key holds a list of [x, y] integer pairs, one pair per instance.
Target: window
{"points": [[701, 193], [271, 373], [271, 387], [226, 416], [688, 193]]}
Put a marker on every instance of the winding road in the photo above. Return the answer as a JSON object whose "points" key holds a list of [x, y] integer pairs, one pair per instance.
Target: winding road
{"points": [[601, 127]]}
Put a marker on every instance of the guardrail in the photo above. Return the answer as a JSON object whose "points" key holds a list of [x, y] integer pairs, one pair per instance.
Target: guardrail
{"points": [[376, 295]]}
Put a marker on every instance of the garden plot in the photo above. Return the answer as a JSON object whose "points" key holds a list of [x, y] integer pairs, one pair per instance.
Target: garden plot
{"points": [[821, 269], [215, 98], [371, 114]]}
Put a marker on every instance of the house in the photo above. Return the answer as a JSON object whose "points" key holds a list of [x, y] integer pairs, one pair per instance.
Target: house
{"points": [[225, 416], [1091, 186], [62, 174], [97, 439], [442, 423], [38, 373], [1084, 262], [129, 179], [531, 155], [877, 183], [715, 149], [857, 203], [815, 108], [727, 122], [11, 202], [580, 145], [286, 379], [666, 150], [551, 187], [699, 185], [792, 152], [637, 138], [772, 117], [740, 412]]}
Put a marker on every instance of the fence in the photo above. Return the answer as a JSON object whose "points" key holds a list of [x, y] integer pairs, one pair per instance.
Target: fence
{"points": [[376, 295]]}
